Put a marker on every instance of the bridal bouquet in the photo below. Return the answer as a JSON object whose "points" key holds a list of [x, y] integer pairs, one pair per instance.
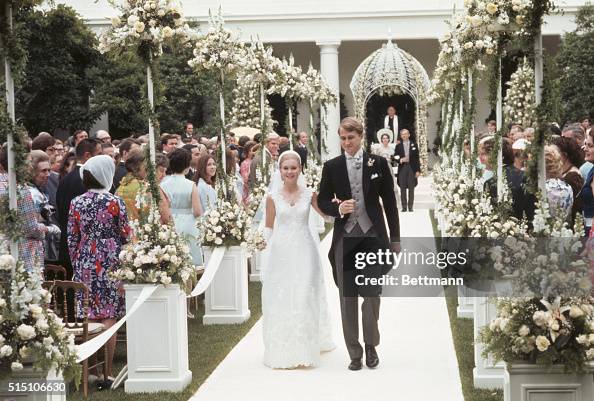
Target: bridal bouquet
{"points": [[29, 331], [224, 225], [255, 241], [157, 255], [146, 24], [543, 331]]}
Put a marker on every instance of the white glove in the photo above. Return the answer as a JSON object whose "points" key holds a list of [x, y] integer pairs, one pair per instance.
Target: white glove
{"points": [[267, 234]]}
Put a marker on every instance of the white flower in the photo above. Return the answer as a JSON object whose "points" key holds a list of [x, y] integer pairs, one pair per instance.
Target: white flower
{"points": [[582, 339], [590, 353], [139, 26], [575, 311], [16, 366], [542, 343], [42, 325], [115, 21], [166, 280], [167, 32], [5, 350], [524, 331], [35, 310], [132, 19], [218, 241], [540, 318], [25, 332], [7, 262], [130, 275]]}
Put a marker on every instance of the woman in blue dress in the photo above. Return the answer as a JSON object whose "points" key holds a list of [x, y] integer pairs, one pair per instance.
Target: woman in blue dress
{"points": [[184, 200], [206, 177]]}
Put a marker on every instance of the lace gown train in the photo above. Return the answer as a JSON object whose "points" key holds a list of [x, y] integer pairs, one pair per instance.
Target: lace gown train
{"points": [[296, 321]]}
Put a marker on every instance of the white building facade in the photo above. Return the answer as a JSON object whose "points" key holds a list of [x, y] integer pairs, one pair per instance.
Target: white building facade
{"points": [[337, 35]]}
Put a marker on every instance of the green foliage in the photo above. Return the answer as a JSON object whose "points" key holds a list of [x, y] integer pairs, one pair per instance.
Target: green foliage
{"points": [[55, 90], [575, 60], [551, 95]]}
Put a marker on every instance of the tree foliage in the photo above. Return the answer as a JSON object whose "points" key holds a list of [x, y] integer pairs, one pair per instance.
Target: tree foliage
{"points": [[575, 61], [55, 91]]}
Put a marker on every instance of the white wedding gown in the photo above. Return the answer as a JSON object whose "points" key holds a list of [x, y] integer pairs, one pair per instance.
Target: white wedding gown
{"points": [[296, 322]]}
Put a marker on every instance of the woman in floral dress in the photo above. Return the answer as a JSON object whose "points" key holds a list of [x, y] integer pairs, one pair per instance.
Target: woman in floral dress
{"points": [[97, 229]]}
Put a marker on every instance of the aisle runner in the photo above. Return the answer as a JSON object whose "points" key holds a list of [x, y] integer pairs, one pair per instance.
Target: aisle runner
{"points": [[417, 357]]}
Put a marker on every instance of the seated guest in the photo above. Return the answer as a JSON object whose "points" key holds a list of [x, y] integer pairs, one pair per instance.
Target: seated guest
{"points": [[184, 200], [249, 151], [97, 229], [559, 193], [571, 157], [134, 184]]}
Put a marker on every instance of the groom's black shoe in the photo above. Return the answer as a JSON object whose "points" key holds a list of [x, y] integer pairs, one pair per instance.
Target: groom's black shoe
{"points": [[371, 358], [355, 364], [404, 210]]}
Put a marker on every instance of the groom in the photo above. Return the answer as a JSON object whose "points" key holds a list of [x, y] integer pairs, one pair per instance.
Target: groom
{"points": [[350, 190]]}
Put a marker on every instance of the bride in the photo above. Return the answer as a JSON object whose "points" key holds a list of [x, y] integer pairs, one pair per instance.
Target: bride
{"points": [[296, 322]]}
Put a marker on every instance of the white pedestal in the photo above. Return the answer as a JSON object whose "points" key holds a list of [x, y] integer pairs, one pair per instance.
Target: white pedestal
{"points": [[28, 375], [486, 373], [226, 299], [157, 337], [256, 264], [527, 382], [465, 308]]}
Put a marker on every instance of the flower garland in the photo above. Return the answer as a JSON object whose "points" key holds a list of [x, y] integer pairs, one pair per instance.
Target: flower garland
{"points": [[520, 104], [29, 331], [158, 254], [146, 25]]}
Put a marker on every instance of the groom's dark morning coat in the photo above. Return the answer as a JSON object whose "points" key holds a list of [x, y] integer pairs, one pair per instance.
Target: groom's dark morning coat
{"points": [[335, 181]]}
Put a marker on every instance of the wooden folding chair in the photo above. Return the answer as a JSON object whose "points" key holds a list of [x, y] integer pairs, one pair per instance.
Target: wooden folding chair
{"points": [[77, 322], [54, 272]]}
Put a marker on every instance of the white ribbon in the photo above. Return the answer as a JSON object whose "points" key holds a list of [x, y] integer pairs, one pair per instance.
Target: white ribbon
{"points": [[216, 257], [88, 348]]}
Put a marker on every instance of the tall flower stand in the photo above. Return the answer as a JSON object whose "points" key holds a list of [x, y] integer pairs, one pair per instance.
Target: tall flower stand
{"points": [[256, 265], [157, 336], [486, 374], [532, 382], [226, 299], [36, 378]]}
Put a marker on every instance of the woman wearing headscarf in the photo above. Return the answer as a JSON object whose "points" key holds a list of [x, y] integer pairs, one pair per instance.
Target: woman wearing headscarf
{"points": [[97, 229]]}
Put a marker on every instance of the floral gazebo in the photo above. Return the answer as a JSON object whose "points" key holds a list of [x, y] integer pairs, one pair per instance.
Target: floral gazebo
{"points": [[392, 71]]}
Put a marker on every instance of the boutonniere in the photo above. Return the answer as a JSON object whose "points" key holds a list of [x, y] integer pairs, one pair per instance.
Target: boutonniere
{"points": [[370, 162]]}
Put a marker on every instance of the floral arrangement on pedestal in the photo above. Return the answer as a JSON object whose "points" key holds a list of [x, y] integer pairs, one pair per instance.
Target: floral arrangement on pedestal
{"points": [[520, 104], [226, 225], [158, 254], [256, 197], [542, 331], [147, 25], [29, 330]]}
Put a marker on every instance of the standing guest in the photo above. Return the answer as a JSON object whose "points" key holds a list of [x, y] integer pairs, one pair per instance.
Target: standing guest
{"points": [[491, 127], [232, 164], [207, 172], [188, 131], [125, 148], [184, 200], [559, 193], [529, 134], [575, 132], [103, 136], [485, 148], [249, 150], [108, 150], [241, 146], [30, 246], [44, 142], [168, 143], [586, 124], [97, 229], [391, 120], [270, 153], [56, 163], [134, 183], [520, 155], [69, 188], [408, 170], [588, 189], [67, 166], [40, 172], [59, 149], [161, 166], [283, 144], [54, 178], [571, 157], [301, 148], [79, 136], [195, 151]]}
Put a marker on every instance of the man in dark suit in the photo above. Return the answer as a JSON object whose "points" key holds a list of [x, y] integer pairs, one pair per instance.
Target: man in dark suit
{"points": [[409, 169], [124, 149], [350, 191], [301, 148], [69, 188]]}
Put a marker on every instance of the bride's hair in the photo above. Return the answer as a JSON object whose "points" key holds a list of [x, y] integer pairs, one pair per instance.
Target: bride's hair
{"points": [[288, 154]]}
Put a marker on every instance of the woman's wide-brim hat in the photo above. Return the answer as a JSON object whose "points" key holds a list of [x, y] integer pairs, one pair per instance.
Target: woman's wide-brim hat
{"points": [[385, 131]]}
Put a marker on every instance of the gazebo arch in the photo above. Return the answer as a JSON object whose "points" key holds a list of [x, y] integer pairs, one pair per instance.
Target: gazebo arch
{"points": [[394, 71]]}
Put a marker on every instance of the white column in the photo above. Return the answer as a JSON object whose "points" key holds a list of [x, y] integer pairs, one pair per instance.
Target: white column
{"points": [[329, 70]]}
